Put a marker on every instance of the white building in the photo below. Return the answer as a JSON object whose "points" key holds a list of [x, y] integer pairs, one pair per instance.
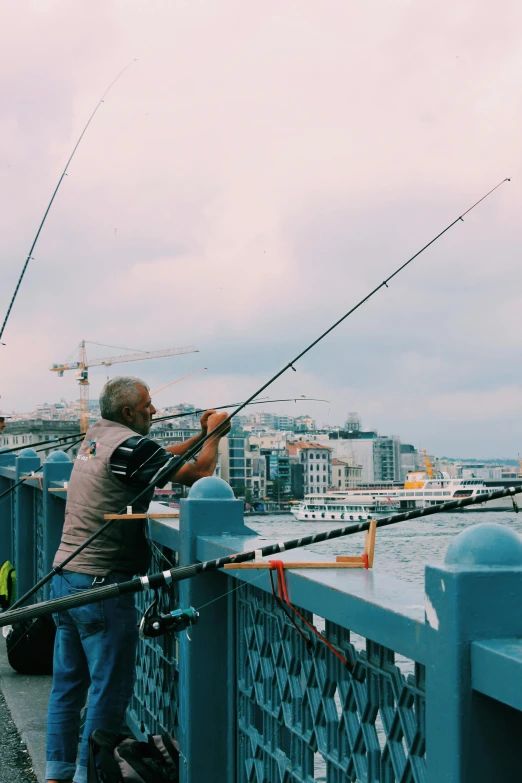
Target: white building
{"points": [[379, 457], [261, 419], [345, 473], [268, 441], [304, 423], [285, 423], [360, 452], [316, 460], [484, 472]]}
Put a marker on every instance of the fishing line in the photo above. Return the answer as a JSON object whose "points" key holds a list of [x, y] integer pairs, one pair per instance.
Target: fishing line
{"points": [[161, 418], [64, 174], [32, 475], [17, 484], [66, 446], [243, 584], [233, 404], [155, 547], [178, 380], [53, 442], [192, 452]]}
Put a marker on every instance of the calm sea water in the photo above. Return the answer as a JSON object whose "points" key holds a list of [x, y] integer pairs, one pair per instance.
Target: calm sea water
{"points": [[401, 550]]}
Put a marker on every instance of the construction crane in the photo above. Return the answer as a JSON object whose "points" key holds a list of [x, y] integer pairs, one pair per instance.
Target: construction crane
{"points": [[82, 370], [429, 468]]}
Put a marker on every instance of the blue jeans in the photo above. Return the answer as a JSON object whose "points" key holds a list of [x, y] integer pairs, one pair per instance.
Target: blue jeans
{"points": [[95, 648]]}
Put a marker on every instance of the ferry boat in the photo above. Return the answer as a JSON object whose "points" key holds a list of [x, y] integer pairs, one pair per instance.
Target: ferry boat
{"points": [[422, 490], [330, 508]]}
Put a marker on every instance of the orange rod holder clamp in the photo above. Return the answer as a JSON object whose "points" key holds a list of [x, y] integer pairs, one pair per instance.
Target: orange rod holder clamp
{"points": [[355, 561]]}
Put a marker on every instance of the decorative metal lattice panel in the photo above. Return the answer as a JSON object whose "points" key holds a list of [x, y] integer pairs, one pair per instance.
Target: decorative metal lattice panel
{"points": [[39, 539], [13, 498], [154, 705], [301, 715]]}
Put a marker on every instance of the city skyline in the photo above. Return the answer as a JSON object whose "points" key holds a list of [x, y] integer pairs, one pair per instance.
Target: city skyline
{"points": [[245, 421]]}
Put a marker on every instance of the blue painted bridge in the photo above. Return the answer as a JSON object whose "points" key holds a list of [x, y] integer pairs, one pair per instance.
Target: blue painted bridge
{"points": [[247, 700]]}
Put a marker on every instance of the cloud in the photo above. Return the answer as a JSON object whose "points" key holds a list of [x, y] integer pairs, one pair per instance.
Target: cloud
{"points": [[258, 170]]}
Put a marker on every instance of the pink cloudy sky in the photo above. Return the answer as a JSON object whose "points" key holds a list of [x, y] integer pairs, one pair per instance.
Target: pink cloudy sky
{"points": [[259, 169]]}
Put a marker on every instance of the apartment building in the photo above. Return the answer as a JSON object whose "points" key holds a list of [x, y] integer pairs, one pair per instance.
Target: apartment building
{"points": [[316, 460], [345, 473], [26, 432], [243, 466]]}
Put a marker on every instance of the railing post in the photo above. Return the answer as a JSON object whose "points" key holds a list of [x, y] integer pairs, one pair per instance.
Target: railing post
{"points": [[207, 676], [58, 467], [6, 510], [24, 532], [475, 595]]}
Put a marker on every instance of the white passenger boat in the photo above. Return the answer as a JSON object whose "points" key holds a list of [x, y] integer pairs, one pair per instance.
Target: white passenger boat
{"points": [[422, 490], [329, 508], [419, 491]]}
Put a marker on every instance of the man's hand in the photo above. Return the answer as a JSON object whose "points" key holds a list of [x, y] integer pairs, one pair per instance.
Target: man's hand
{"points": [[206, 462], [214, 420], [204, 421]]}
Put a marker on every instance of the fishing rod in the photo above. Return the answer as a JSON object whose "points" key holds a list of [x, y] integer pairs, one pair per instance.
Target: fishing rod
{"points": [[195, 449], [232, 404], [63, 438], [64, 174], [160, 418], [31, 475], [52, 442], [175, 465], [178, 574]]}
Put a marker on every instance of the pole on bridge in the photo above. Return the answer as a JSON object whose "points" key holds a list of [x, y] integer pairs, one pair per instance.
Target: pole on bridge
{"points": [[474, 596]]}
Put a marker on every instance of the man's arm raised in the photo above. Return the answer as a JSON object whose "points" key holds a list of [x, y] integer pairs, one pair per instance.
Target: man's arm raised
{"points": [[181, 448], [206, 461]]}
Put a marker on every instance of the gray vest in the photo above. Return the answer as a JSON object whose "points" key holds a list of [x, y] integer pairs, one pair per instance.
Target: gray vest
{"points": [[94, 491]]}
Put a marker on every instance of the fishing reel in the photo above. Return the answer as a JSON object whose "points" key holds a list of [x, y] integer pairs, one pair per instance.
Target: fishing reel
{"points": [[154, 624]]}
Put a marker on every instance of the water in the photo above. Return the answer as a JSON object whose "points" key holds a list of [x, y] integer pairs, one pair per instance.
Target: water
{"points": [[401, 550]]}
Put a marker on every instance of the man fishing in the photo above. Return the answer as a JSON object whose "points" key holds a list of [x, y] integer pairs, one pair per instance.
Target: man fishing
{"points": [[95, 645]]}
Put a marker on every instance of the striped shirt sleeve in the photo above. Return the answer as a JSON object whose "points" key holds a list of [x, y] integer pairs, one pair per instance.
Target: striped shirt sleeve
{"points": [[139, 460]]}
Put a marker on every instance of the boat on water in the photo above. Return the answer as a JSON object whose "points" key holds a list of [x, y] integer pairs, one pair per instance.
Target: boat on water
{"points": [[329, 508], [421, 490]]}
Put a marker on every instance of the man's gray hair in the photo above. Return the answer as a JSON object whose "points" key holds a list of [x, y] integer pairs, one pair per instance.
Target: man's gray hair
{"points": [[117, 393]]}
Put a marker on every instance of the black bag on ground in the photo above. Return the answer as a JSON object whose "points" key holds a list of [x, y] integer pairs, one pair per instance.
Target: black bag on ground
{"points": [[30, 646], [117, 758]]}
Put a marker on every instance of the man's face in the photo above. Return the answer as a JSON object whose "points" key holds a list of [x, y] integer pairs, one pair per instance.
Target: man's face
{"points": [[2, 424], [139, 418]]}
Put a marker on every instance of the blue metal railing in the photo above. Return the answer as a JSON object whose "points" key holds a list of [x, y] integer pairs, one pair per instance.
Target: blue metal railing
{"points": [[250, 702]]}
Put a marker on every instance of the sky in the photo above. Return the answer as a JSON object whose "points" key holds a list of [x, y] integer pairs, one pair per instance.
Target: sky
{"points": [[258, 169]]}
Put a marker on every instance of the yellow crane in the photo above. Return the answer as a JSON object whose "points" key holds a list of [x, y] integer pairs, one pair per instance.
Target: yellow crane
{"points": [[82, 370], [429, 469]]}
